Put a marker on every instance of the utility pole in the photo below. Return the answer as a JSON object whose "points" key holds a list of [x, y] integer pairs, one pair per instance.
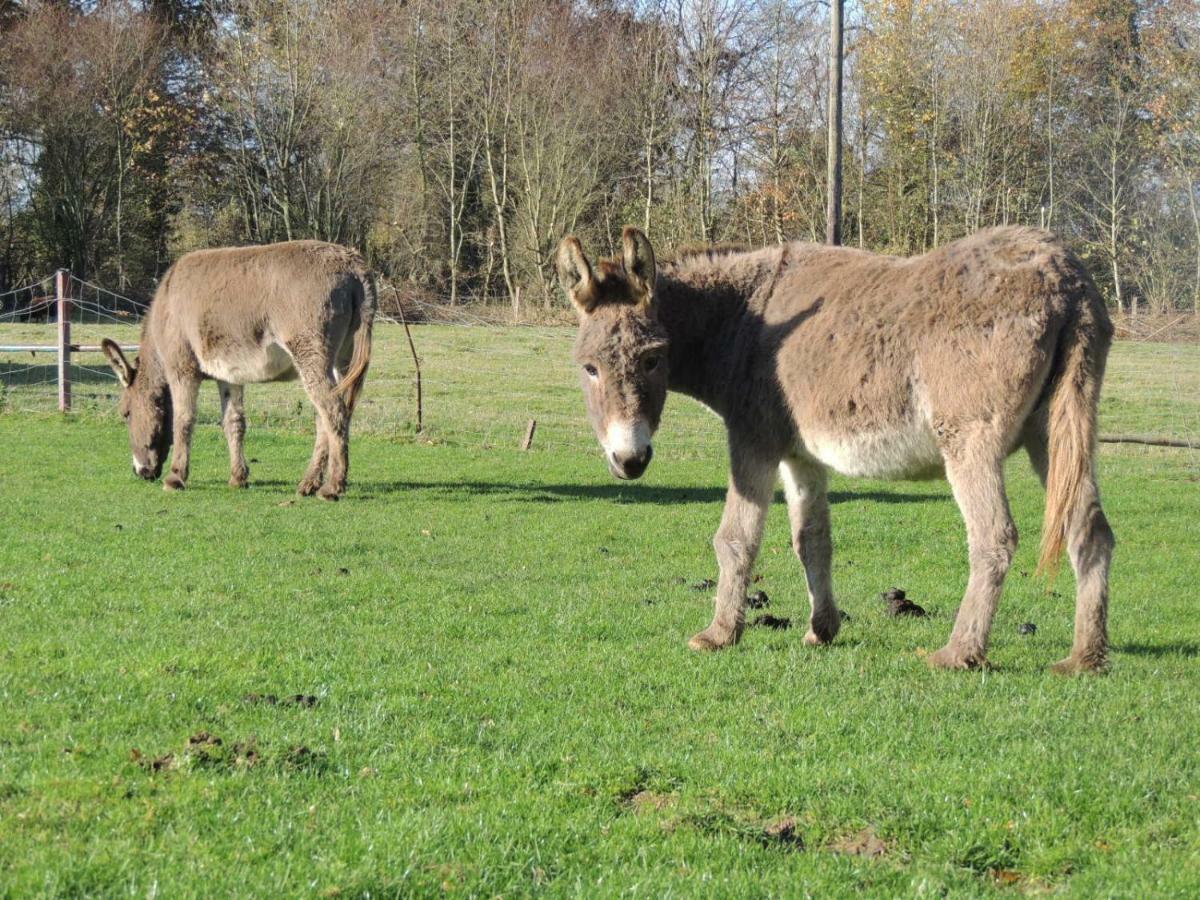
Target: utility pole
{"points": [[833, 180]]}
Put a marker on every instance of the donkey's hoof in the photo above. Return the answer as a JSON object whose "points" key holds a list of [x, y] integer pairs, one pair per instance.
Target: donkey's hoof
{"points": [[330, 492], [816, 639], [1081, 665], [823, 630], [308, 487], [713, 639], [236, 482], [173, 483], [950, 657]]}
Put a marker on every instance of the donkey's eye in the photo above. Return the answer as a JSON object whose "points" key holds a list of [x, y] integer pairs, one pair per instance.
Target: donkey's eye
{"points": [[591, 370], [650, 363]]}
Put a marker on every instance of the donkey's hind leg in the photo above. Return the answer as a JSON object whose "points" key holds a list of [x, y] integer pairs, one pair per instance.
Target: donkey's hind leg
{"points": [[1090, 545], [314, 475], [335, 423], [805, 486], [977, 481], [233, 421]]}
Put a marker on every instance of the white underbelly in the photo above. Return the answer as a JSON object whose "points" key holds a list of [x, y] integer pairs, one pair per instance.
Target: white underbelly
{"points": [[910, 451], [268, 362]]}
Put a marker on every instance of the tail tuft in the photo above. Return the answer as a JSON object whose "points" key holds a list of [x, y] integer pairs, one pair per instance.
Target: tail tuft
{"points": [[1071, 427]]}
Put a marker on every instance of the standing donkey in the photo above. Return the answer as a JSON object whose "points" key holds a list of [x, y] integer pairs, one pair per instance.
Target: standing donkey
{"points": [[242, 315], [823, 358]]}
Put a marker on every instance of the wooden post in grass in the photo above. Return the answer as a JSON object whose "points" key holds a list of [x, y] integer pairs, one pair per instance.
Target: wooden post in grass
{"points": [[529, 430], [416, 361], [61, 295]]}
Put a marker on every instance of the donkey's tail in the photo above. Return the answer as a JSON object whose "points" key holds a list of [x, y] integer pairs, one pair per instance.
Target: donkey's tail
{"points": [[1071, 426], [352, 382]]}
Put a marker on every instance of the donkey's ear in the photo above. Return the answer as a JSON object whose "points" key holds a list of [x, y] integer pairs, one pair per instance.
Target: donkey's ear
{"points": [[638, 259], [119, 363], [575, 274]]}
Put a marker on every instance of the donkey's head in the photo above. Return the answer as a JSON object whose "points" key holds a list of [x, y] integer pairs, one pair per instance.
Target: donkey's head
{"points": [[621, 347], [146, 408]]}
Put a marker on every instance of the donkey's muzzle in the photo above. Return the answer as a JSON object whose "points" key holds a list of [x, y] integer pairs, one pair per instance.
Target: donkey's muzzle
{"points": [[632, 466], [149, 473]]}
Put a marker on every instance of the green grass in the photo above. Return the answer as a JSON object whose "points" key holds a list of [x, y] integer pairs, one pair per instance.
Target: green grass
{"points": [[504, 700]]}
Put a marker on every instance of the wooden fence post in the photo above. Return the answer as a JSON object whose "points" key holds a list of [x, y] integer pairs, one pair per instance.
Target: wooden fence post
{"points": [[62, 290], [529, 430]]}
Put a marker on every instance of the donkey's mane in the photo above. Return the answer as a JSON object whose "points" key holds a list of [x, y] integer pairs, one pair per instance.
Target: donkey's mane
{"points": [[707, 252]]}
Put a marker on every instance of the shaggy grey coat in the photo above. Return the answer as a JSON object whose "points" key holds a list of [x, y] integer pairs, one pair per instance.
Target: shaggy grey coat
{"points": [[822, 358], [242, 315]]}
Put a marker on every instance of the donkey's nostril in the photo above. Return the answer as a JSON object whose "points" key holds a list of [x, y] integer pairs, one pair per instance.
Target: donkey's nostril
{"points": [[632, 466]]}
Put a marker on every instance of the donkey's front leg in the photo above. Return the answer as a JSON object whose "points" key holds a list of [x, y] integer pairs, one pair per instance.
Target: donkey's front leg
{"points": [[183, 400], [233, 420], [736, 543], [805, 486]]}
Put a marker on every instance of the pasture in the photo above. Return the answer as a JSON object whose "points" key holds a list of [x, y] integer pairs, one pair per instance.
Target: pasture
{"points": [[470, 675]]}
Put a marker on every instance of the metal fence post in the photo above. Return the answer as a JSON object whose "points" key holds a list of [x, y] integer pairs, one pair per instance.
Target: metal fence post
{"points": [[62, 296]]}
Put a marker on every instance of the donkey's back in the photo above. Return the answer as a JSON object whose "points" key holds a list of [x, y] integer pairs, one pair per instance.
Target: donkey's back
{"points": [[240, 311], [898, 360]]}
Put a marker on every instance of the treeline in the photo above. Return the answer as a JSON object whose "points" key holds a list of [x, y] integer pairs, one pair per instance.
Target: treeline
{"points": [[456, 141]]}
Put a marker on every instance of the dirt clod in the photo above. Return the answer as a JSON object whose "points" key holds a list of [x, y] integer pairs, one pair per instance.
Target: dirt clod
{"points": [[269, 699], [308, 701], [204, 747], [245, 753], [783, 833], [892, 594], [769, 621], [301, 757], [158, 764], [864, 843], [705, 584], [1026, 628], [644, 801], [903, 607], [758, 600]]}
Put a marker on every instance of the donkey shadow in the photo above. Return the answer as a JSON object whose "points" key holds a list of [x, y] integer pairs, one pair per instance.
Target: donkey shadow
{"points": [[632, 493], [1185, 649]]}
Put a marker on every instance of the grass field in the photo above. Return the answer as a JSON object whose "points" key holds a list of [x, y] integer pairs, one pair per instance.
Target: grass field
{"points": [[471, 676]]}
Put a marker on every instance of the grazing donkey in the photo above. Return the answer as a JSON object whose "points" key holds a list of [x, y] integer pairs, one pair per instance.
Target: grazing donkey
{"points": [[823, 358], [243, 315]]}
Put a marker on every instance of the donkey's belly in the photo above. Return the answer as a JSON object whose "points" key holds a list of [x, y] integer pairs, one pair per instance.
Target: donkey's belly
{"points": [[908, 451], [268, 362]]}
